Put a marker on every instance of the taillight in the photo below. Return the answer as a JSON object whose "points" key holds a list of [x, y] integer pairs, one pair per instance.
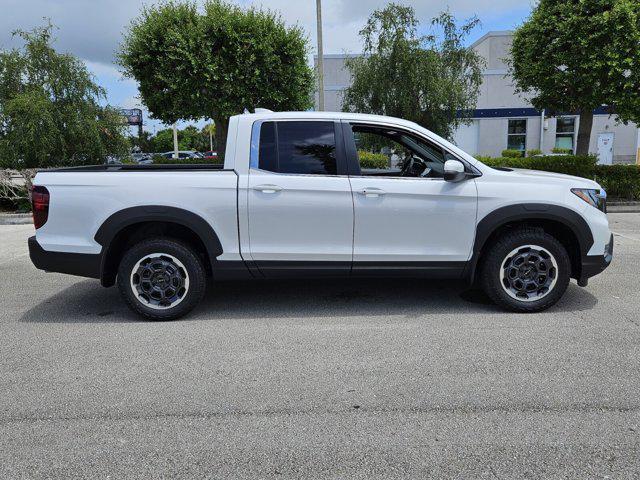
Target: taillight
{"points": [[40, 205]]}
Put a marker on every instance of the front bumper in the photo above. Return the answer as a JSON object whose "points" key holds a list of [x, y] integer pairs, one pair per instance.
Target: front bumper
{"points": [[80, 264], [594, 264]]}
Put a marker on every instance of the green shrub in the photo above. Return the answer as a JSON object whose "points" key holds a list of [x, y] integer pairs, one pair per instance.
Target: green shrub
{"points": [[620, 181], [373, 160], [534, 152], [564, 151], [512, 153], [160, 160]]}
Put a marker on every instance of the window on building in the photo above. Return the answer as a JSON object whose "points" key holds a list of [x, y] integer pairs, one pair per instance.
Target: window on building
{"points": [[517, 135], [298, 147], [565, 133]]}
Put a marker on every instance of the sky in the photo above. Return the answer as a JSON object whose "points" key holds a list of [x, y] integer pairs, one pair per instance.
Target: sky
{"points": [[92, 29]]}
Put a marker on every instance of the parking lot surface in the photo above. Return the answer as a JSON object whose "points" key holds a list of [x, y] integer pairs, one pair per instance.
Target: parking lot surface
{"points": [[362, 379]]}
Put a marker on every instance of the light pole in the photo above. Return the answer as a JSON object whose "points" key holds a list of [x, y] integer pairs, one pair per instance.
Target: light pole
{"points": [[320, 59], [175, 141]]}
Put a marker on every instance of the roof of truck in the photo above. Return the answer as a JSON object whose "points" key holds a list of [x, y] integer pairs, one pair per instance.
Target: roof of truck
{"points": [[323, 115]]}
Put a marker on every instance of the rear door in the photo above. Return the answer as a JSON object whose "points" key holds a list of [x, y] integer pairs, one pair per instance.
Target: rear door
{"points": [[300, 207]]}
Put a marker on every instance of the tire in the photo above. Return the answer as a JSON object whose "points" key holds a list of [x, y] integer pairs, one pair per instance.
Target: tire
{"points": [[161, 279], [526, 270]]}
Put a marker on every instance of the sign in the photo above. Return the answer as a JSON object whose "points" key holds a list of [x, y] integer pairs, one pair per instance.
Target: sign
{"points": [[132, 116]]}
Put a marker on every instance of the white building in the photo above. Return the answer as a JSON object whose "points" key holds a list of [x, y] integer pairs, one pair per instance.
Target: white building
{"points": [[503, 119]]}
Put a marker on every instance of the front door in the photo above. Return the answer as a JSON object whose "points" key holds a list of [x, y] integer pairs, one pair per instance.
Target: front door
{"points": [[605, 148], [300, 207], [406, 214]]}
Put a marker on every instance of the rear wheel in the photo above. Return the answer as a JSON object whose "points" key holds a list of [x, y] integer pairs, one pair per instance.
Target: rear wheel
{"points": [[161, 279], [526, 270]]}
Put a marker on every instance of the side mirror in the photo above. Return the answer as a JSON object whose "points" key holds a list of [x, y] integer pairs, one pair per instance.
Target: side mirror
{"points": [[454, 171]]}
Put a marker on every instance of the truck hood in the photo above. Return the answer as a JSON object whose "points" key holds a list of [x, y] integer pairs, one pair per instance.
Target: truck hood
{"points": [[548, 177]]}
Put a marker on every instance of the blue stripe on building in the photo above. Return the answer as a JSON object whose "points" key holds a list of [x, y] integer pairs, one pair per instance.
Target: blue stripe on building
{"points": [[518, 112]]}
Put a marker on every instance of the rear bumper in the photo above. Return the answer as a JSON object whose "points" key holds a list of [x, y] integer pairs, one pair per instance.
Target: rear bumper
{"points": [[80, 264], [594, 264]]}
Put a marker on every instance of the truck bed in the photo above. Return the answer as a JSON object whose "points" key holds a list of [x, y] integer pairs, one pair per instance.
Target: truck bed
{"points": [[83, 198]]}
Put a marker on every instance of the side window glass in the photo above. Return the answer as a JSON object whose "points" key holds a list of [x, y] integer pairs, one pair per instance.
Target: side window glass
{"points": [[307, 148], [267, 154], [392, 153], [298, 147]]}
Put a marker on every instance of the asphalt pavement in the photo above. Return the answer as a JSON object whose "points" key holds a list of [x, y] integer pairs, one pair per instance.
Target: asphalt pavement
{"points": [[329, 379]]}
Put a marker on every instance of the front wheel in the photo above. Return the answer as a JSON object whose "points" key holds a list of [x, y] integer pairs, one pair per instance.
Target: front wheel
{"points": [[526, 270], [161, 279]]}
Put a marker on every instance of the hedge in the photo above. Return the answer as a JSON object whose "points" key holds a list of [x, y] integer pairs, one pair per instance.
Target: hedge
{"points": [[373, 160], [620, 181], [534, 152], [564, 151], [512, 153]]}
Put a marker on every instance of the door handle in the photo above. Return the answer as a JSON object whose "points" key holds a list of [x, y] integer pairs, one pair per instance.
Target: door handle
{"points": [[371, 192], [267, 188]]}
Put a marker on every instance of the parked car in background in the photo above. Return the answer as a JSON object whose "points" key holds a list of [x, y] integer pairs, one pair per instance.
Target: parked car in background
{"points": [[210, 155], [142, 158], [295, 198], [183, 154]]}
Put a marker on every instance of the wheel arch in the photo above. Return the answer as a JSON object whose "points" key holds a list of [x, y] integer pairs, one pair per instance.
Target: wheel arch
{"points": [[130, 225], [563, 223]]}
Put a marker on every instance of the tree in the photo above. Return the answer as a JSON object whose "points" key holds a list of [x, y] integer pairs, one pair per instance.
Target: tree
{"points": [[209, 131], [427, 79], [574, 57], [142, 142], [214, 64], [50, 112], [189, 138], [193, 139]]}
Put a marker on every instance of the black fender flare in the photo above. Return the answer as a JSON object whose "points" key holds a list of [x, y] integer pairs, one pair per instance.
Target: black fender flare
{"points": [[121, 219], [528, 211]]}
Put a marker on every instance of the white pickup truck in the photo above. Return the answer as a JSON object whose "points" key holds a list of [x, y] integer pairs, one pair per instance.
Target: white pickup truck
{"points": [[305, 194]]}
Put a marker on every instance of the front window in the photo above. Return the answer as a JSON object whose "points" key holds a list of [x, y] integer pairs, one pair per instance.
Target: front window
{"points": [[565, 133], [517, 135], [386, 152]]}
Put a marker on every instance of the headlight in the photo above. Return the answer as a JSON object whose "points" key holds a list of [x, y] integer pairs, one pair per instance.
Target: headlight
{"points": [[594, 197]]}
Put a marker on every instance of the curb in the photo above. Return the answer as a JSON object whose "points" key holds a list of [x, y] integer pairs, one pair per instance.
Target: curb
{"points": [[15, 218], [624, 204], [623, 209]]}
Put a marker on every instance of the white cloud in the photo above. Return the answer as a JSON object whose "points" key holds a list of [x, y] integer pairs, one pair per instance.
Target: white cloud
{"points": [[93, 29], [343, 19]]}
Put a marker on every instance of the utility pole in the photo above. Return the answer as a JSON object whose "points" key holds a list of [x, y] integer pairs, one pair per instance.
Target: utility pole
{"points": [[638, 148], [320, 59], [175, 141]]}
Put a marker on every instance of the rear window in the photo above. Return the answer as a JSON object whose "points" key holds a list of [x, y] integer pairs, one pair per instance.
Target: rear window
{"points": [[298, 147], [268, 152]]}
